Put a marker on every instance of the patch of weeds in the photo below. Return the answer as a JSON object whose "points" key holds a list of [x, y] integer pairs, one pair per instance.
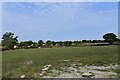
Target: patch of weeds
{"points": [[60, 69], [99, 63], [37, 75], [74, 66], [103, 70], [54, 75], [48, 74], [77, 68], [77, 65], [78, 72], [8, 74], [114, 76], [68, 65], [69, 71], [72, 70], [60, 72], [116, 70], [49, 71], [45, 74], [64, 69]]}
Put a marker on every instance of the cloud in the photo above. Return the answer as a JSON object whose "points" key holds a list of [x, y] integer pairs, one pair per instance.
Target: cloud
{"points": [[47, 20]]}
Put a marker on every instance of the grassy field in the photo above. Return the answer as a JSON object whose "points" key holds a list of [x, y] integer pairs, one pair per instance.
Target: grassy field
{"points": [[30, 61]]}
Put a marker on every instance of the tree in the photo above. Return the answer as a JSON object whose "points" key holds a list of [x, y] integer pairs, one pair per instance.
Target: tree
{"points": [[67, 43], [60, 43], [26, 44], [84, 41], [110, 37], [48, 43], [8, 40], [35, 45], [53, 43], [76, 43], [40, 43]]}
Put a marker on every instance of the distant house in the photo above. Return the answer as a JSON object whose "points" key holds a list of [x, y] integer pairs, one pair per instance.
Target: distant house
{"points": [[28, 46], [43, 44], [32, 45], [56, 44], [39, 47], [15, 46]]}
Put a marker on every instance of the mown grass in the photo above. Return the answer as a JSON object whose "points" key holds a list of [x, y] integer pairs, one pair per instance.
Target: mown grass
{"points": [[15, 62]]}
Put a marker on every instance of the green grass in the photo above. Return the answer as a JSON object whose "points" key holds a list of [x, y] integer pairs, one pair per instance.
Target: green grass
{"points": [[15, 62]]}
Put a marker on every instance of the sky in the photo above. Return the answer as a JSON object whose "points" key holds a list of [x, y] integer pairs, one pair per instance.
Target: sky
{"points": [[59, 20]]}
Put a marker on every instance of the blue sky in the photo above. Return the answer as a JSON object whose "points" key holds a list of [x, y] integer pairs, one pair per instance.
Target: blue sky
{"points": [[59, 21]]}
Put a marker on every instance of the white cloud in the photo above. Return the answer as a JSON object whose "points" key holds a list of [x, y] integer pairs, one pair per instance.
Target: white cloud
{"points": [[56, 17]]}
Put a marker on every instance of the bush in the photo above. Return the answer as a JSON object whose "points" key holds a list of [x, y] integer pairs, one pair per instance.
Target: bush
{"points": [[4, 49]]}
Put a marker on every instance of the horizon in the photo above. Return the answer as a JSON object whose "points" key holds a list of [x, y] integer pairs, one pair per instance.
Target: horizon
{"points": [[60, 21], [58, 40]]}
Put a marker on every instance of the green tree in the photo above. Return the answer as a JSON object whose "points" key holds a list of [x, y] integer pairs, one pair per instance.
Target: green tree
{"points": [[84, 41], [48, 43], [40, 43], [60, 43], [110, 37], [76, 43], [53, 43], [67, 43], [26, 44], [8, 40]]}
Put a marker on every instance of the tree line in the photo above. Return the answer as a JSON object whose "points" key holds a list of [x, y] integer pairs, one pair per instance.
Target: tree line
{"points": [[10, 41]]}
